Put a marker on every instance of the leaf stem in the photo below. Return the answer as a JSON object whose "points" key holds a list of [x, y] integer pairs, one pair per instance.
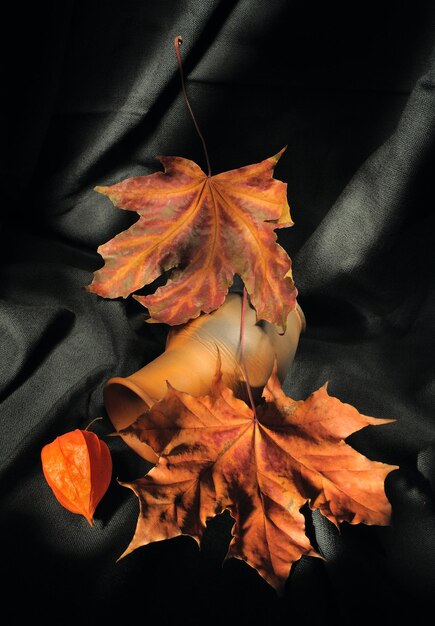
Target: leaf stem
{"points": [[94, 420], [178, 40], [242, 351]]}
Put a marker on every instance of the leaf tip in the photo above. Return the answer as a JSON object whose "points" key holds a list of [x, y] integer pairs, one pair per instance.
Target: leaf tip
{"points": [[170, 387], [116, 433], [102, 189], [126, 552], [279, 154]]}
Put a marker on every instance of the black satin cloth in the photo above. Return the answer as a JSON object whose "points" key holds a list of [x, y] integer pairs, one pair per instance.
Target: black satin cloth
{"points": [[92, 95]]}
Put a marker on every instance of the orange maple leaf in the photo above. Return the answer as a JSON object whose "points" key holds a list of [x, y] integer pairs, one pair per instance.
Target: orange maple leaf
{"points": [[204, 229], [216, 454]]}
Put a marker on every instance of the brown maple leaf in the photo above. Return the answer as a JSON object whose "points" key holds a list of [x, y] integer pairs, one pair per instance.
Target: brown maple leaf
{"points": [[204, 229], [215, 454]]}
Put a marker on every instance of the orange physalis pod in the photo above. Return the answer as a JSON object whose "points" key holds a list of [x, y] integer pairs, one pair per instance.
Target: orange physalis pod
{"points": [[78, 468]]}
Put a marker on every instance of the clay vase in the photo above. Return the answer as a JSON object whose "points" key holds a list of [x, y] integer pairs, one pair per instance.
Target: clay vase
{"points": [[190, 358]]}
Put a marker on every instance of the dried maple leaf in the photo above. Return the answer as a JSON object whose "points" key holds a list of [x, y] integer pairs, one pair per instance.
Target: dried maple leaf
{"points": [[205, 229], [215, 454], [78, 468]]}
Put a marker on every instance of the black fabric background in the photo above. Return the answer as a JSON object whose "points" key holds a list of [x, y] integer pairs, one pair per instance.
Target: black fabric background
{"points": [[92, 96]]}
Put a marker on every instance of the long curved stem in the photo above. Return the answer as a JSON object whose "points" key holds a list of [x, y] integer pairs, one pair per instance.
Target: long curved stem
{"points": [[242, 351], [178, 40]]}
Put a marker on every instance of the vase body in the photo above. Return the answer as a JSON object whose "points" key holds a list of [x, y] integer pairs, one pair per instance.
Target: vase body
{"points": [[190, 359]]}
